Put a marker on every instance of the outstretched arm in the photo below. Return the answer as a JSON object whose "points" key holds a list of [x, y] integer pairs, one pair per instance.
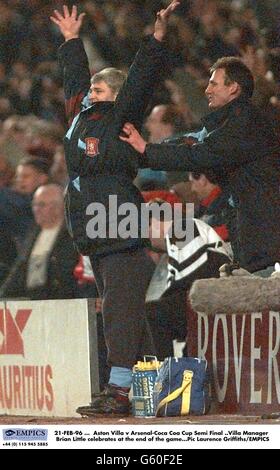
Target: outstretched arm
{"points": [[148, 68], [73, 60], [162, 20], [69, 24]]}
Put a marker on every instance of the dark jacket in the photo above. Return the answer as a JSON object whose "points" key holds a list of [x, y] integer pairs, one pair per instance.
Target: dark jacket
{"points": [[16, 214], [61, 262], [100, 165], [242, 149]]}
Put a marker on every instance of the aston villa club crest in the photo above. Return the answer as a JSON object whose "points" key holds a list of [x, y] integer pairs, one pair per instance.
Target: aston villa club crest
{"points": [[92, 146]]}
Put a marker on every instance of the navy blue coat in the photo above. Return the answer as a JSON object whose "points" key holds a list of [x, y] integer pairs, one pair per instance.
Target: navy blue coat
{"points": [[100, 165], [239, 144]]}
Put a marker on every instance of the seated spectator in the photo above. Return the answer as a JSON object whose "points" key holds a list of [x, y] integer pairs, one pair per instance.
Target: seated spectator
{"points": [[214, 208], [191, 256], [45, 268], [30, 174], [164, 121], [167, 316], [15, 203], [184, 192]]}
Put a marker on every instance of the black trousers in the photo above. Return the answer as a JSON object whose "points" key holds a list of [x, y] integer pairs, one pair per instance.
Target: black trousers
{"points": [[122, 280]]}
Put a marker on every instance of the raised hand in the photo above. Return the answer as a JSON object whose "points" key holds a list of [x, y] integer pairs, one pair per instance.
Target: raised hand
{"points": [[68, 23], [133, 137], [162, 20]]}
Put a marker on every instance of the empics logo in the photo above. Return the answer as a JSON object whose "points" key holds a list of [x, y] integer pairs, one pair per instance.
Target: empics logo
{"points": [[22, 434], [11, 328]]}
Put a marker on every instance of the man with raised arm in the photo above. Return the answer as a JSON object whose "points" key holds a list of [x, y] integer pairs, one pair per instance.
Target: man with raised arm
{"points": [[101, 166]]}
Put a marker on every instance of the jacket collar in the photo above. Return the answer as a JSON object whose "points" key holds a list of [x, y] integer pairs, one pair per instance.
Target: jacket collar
{"points": [[99, 107], [217, 117]]}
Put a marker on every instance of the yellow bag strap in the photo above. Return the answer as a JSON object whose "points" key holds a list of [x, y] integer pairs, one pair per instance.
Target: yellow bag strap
{"points": [[184, 390]]}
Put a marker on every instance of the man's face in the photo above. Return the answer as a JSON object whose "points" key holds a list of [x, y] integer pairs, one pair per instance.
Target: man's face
{"points": [[42, 209], [47, 209], [100, 91], [219, 94], [155, 126], [28, 179], [199, 186]]}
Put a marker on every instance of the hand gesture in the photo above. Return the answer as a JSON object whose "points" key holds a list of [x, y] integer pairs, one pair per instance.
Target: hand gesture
{"points": [[69, 24], [162, 20], [133, 137]]}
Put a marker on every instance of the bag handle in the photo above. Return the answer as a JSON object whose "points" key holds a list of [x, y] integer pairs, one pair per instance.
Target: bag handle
{"points": [[155, 359], [185, 390]]}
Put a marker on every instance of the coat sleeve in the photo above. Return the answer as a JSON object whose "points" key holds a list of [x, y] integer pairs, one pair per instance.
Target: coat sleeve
{"points": [[226, 148], [148, 68], [15, 283], [76, 76], [178, 157]]}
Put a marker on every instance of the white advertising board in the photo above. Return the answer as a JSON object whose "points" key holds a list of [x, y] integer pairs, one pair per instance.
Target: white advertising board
{"points": [[45, 356]]}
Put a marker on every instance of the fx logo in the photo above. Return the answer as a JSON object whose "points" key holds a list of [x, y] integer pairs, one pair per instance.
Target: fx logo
{"points": [[11, 340]]}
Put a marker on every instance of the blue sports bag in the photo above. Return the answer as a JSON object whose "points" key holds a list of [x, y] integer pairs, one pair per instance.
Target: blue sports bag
{"points": [[182, 387]]}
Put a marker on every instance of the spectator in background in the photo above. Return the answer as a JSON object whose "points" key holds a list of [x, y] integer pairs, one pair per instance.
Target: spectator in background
{"points": [[163, 122], [25, 136], [15, 203], [15, 128], [214, 208], [30, 174], [167, 316], [15, 207], [58, 169], [182, 190], [45, 268], [42, 139], [201, 30]]}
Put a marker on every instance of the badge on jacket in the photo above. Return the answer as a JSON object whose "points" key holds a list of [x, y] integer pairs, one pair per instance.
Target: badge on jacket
{"points": [[92, 146]]}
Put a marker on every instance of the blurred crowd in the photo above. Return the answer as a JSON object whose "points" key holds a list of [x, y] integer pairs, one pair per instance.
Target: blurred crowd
{"points": [[32, 120]]}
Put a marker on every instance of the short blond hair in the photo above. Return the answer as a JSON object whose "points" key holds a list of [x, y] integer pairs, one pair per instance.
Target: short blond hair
{"points": [[114, 78]]}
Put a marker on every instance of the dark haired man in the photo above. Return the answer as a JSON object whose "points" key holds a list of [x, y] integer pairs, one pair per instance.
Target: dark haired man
{"points": [[30, 174], [213, 208], [239, 145]]}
